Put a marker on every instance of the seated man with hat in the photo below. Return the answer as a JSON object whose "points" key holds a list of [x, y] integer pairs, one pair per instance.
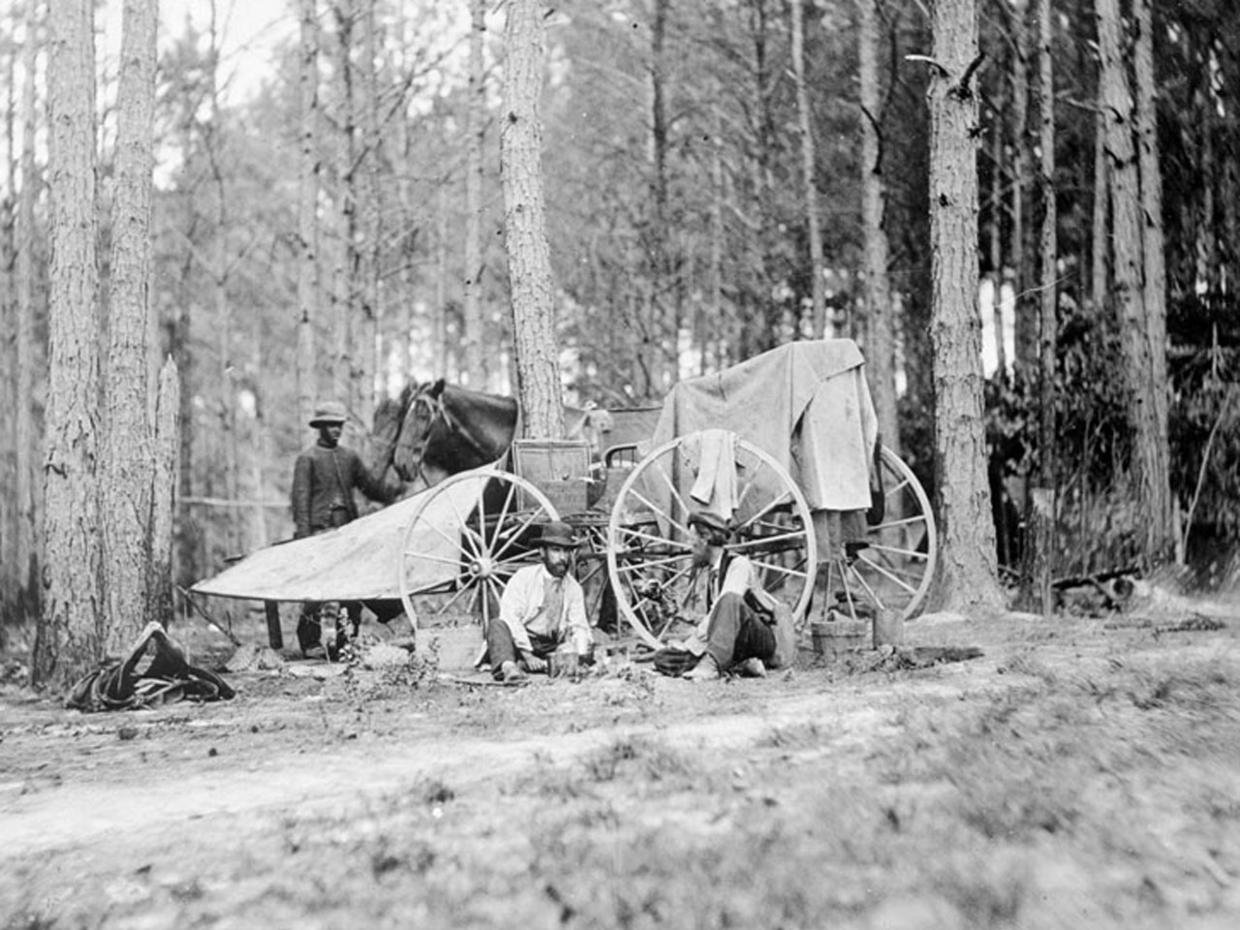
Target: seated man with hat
{"points": [[324, 477], [745, 629], [542, 611]]}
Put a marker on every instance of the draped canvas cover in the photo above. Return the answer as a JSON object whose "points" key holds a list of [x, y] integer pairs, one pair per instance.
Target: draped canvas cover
{"points": [[806, 404], [360, 560]]}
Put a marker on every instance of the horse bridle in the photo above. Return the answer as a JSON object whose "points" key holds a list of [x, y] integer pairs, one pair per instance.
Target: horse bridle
{"points": [[436, 409]]}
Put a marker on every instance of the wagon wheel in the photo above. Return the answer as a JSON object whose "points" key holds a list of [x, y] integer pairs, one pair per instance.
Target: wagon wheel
{"points": [[893, 567], [465, 543], [649, 561]]}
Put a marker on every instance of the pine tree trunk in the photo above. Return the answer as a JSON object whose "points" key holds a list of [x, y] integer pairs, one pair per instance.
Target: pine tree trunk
{"points": [[125, 488], [1099, 230], [1162, 529], [968, 572], [996, 240], [1025, 321], [475, 132], [818, 299], [1137, 335], [8, 319], [307, 215], [372, 293], [1040, 540], [529, 260], [24, 438], [344, 251], [70, 637], [880, 347], [166, 434], [664, 308]]}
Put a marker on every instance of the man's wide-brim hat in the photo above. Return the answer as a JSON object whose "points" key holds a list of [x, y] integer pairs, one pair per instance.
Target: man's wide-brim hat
{"points": [[559, 534], [329, 413], [709, 520]]}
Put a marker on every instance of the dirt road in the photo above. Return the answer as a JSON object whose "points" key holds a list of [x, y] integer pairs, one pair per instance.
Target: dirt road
{"points": [[1078, 772]]}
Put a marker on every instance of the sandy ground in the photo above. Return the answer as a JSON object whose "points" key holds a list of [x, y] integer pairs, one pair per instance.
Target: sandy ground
{"points": [[1078, 772]]}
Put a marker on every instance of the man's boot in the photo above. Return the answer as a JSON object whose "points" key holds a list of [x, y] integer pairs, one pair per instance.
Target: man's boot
{"points": [[707, 669]]}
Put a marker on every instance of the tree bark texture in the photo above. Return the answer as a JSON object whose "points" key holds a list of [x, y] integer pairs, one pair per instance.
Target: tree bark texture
{"points": [[24, 437], [968, 569], [529, 260], [996, 237], [880, 323], [1162, 528], [665, 319], [1147, 387], [125, 488], [166, 434], [344, 246], [372, 293], [475, 140], [1048, 251], [1025, 317], [1099, 252], [813, 221], [1041, 520], [307, 215], [8, 320], [70, 636]]}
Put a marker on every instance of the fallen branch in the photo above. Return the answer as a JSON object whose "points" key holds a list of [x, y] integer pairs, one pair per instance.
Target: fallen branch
{"points": [[188, 598]]}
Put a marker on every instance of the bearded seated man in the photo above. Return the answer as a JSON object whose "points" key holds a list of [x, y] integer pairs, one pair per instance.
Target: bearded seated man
{"points": [[746, 630], [542, 611]]}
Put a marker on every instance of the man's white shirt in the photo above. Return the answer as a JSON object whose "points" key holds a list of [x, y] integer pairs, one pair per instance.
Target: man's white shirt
{"points": [[521, 608]]}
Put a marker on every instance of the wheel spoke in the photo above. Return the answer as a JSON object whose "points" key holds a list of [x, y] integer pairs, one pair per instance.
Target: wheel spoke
{"points": [[882, 571], [759, 541], [516, 534], [775, 502], [852, 607], [894, 550], [672, 521], [868, 590], [891, 492], [438, 559], [892, 524], [463, 524], [455, 543], [428, 588], [671, 486], [461, 589], [790, 572], [638, 534], [647, 564]]}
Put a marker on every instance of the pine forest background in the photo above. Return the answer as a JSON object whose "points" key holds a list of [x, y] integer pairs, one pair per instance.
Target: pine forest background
{"points": [[682, 235]]}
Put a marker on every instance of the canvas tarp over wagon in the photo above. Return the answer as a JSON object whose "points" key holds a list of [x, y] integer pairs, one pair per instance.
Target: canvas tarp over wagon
{"points": [[782, 444]]}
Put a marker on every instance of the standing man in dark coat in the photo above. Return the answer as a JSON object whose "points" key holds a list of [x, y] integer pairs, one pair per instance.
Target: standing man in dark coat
{"points": [[323, 482]]}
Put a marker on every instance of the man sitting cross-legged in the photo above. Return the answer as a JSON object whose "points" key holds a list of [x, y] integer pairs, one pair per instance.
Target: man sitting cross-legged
{"points": [[745, 629], [542, 610]]}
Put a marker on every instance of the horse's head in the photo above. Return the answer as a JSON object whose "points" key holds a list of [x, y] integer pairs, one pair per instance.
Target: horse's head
{"points": [[389, 414], [421, 406]]}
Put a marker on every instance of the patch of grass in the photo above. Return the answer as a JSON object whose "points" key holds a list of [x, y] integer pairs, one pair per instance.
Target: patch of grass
{"points": [[1202, 685], [638, 756], [792, 736]]}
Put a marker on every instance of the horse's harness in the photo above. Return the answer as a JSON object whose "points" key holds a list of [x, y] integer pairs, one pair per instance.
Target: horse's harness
{"points": [[436, 408]]}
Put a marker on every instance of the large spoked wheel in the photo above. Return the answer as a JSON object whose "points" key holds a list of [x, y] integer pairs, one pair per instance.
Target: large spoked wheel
{"points": [[892, 568], [658, 589], [463, 543]]}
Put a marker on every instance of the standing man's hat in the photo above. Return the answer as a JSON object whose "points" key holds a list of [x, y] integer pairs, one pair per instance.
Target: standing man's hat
{"points": [[559, 534], [710, 520], [328, 413]]}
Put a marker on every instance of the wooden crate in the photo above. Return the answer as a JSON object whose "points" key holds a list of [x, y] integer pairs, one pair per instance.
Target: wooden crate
{"points": [[560, 468]]}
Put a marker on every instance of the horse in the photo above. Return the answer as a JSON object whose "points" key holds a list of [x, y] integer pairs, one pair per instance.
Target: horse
{"points": [[445, 429]]}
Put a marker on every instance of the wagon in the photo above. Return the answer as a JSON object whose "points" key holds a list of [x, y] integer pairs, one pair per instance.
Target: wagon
{"points": [[784, 446]]}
